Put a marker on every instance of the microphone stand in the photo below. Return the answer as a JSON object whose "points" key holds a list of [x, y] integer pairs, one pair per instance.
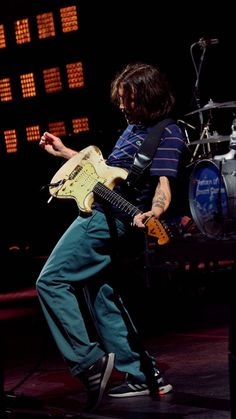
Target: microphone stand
{"points": [[204, 131], [198, 69]]}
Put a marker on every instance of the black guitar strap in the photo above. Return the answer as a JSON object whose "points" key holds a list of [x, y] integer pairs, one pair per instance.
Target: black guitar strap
{"points": [[144, 156]]}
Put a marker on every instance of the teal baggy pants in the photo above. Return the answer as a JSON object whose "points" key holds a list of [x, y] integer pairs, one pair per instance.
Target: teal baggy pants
{"points": [[82, 253]]}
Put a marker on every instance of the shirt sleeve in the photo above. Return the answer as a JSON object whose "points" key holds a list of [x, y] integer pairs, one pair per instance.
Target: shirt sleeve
{"points": [[167, 156]]}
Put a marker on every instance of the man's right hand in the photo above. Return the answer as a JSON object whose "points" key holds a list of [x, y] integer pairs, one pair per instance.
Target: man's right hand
{"points": [[53, 145]]}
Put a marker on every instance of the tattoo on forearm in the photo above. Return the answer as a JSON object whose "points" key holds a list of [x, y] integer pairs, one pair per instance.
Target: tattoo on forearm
{"points": [[159, 199]]}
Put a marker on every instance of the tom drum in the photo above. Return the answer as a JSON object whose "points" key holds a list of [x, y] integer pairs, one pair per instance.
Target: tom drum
{"points": [[212, 197]]}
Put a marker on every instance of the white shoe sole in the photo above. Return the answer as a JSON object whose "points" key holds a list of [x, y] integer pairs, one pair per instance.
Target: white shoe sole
{"points": [[165, 389], [131, 394]]}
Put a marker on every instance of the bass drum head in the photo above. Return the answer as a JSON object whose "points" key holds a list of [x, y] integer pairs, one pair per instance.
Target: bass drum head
{"points": [[208, 198]]}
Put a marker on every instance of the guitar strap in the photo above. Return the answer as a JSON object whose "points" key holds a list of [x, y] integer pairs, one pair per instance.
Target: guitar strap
{"points": [[144, 156]]}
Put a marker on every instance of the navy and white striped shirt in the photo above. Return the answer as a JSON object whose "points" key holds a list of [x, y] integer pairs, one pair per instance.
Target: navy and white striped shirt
{"points": [[164, 163], [166, 158]]}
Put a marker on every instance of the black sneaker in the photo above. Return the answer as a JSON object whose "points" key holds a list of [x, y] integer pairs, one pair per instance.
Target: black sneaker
{"points": [[95, 380], [132, 388]]}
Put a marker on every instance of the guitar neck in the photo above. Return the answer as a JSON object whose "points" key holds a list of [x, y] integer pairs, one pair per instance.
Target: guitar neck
{"points": [[115, 199]]}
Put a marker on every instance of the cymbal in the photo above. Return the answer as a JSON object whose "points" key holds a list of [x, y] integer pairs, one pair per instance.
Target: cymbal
{"points": [[231, 104], [211, 139], [214, 105]]}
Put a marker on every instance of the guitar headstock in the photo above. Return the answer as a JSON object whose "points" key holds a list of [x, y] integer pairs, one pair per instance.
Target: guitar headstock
{"points": [[159, 230]]}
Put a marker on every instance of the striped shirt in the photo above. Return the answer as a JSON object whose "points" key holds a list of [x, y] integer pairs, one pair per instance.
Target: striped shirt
{"points": [[166, 158]]}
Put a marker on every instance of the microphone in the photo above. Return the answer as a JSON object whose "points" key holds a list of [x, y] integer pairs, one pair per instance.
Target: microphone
{"points": [[203, 43]]}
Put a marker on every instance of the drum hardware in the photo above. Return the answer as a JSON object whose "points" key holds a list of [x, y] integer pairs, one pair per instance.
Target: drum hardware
{"points": [[232, 145], [228, 156], [215, 138], [213, 105], [192, 163], [206, 146], [185, 125]]}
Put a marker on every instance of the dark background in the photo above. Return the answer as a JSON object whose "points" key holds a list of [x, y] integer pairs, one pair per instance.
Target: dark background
{"points": [[111, 34]]}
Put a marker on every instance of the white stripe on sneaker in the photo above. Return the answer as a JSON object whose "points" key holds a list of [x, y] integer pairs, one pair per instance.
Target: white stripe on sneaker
{"points": [[129, 389]]}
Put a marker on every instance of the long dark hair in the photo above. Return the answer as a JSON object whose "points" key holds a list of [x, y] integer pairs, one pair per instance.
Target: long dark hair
{"points": [[154, 99]]}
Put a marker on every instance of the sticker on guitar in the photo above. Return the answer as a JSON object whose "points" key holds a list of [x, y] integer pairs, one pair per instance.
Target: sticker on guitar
{"points": [[86, 174]]}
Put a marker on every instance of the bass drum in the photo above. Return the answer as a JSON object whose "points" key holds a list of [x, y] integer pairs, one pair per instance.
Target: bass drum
{"points": [[212, 197]]}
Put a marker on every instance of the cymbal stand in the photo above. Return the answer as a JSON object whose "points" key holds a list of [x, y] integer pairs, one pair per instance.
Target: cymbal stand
{"points": [[185, 126], [205, 134]]}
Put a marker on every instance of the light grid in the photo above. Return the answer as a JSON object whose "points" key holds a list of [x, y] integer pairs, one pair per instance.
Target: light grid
{"points": [[45, 25], [57, 128], [28, 85], [2, 37], [52, 80], [22, 31], [5, 90], [33, 133], [80, 125], [10, 140], [55, 79], [75, 75], [69, 19]]}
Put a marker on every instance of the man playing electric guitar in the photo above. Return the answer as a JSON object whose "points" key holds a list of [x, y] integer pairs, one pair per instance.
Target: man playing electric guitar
{"points": [[84, 252]]}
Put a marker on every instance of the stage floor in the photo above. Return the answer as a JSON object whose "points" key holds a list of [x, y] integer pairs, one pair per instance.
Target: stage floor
{"points": [[192, 349]]}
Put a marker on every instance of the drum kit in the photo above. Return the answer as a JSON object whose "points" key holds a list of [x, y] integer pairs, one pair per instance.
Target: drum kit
{"points": [[212, 187]]}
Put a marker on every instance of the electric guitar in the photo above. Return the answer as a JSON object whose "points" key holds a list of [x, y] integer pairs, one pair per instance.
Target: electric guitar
{"points": [[86, 174]]}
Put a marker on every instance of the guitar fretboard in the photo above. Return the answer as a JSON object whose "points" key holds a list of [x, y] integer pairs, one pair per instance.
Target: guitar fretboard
{"points": [[114, 198]]}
